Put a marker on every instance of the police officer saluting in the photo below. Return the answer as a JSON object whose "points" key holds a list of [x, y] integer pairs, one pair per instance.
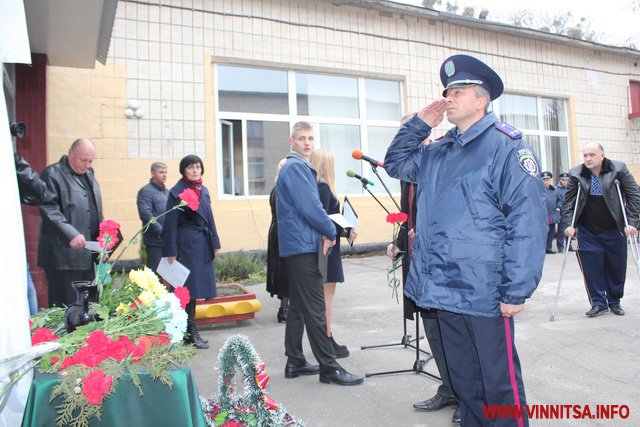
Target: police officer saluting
{"points": [[554, 205], [480, 232]]}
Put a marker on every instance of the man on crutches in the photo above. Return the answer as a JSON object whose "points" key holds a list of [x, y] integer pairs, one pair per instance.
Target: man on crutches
{"points": [[602, 224]]}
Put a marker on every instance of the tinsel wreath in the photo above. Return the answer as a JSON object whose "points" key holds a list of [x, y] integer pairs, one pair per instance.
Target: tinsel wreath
{"points": [[251, 408]]}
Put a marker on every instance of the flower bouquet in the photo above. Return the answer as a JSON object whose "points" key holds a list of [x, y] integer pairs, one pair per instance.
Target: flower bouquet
{"points": [[139, 325], [397, 219]]}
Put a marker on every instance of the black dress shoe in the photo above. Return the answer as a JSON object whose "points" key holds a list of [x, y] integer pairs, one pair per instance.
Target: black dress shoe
{"points": [[550, 252], [597, 310], [341, 350], [339, 376], [292, 371], [456, 416], [282, 315], [616, 309], [436, 403]]}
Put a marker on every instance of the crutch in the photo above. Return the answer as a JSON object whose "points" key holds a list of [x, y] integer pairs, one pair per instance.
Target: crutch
{"points": [[567, 245], [631, 239]]}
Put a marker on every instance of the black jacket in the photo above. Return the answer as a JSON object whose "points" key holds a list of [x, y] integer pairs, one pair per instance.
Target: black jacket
{"points": [[610, 171], [33, 191], [152, 201], [65, 216]]}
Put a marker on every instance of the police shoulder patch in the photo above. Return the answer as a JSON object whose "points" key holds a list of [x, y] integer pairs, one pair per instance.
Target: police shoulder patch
{"points": [[509, 130], [527, 161]]}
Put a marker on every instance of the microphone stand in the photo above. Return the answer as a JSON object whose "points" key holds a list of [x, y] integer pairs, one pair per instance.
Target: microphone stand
{"points": [[364, 185], [406, 340]]}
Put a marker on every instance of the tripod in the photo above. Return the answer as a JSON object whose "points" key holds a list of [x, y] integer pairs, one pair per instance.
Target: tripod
{"points": [[406, 340]]}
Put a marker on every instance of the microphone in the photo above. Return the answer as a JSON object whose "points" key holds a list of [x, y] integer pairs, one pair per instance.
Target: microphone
{"points": [[362, 179], [357, 154]]}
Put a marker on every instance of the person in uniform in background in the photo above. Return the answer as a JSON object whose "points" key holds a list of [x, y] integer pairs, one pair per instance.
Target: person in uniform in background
{"points": [[600, 225], [478, 249], [554, 205], [152, 201], [561, 187]]}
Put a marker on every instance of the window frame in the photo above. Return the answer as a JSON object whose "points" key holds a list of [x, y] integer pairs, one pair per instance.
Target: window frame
{"points": [[362, 122]]}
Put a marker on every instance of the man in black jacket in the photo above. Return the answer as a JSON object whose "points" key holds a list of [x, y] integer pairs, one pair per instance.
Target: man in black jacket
{"points": [[69, 219], [600, 225], [152, 201]]}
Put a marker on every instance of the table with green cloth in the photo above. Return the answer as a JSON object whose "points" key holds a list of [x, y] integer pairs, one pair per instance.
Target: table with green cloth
{"points": [[159, 406]]}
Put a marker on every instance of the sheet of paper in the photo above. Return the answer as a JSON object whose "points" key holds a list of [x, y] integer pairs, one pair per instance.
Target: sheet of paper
{"points": [[340, 220], [92, 246], [175, 273], [349, 213]]}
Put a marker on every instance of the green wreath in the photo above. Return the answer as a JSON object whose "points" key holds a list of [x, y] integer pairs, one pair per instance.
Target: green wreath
{"points": [[251, 408]]}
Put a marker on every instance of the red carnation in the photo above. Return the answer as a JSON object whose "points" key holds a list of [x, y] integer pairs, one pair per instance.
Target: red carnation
{"points": [[41, 335], [398, 217], [108, 229], [182, 293], [191, 198], [95, 386]]}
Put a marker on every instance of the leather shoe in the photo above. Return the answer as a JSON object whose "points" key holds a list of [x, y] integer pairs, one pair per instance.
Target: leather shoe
{"points": [[436, 403], [597, 310], [341, 350], [292, 371], [339, 376], [456, 419], [617, 310], [550, 252]]}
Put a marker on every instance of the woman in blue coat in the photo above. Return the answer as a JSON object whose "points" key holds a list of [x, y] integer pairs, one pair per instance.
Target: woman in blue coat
{"points": [[191, 237]]}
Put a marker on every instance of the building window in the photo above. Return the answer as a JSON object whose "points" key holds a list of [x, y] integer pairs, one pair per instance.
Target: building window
{"points": [[634, 99], [543, 121], [258, 106]]}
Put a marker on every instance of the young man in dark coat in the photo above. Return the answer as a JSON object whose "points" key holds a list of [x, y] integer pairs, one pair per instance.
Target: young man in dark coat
{"points": [[69, 219]]}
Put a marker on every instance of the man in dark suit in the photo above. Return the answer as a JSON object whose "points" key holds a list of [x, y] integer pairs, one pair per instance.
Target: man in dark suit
{"points": [[152, 201], [69, 219]]}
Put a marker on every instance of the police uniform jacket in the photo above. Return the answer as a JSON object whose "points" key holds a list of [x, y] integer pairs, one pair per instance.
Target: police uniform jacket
{"points": [[610, 171], [481, 234], [554, 204], [66, 214], [301, 218]]}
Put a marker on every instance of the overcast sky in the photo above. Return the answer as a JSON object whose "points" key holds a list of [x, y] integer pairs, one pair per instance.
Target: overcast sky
{"points": [[614, 23]]}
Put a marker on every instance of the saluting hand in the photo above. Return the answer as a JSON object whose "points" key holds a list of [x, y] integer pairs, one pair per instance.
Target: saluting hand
{"points": [[433, 114]]}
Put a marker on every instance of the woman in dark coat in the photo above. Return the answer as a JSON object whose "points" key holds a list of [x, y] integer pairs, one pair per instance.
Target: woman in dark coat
{"points": [[191, 237], [276, 273], [323, 163]]}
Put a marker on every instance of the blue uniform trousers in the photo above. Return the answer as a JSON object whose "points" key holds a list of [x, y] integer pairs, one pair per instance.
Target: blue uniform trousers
{"points": [[603, 260], [483, 366]]}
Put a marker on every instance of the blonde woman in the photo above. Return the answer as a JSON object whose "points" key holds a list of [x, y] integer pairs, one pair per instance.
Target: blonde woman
{"points": [[323, 163]]}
